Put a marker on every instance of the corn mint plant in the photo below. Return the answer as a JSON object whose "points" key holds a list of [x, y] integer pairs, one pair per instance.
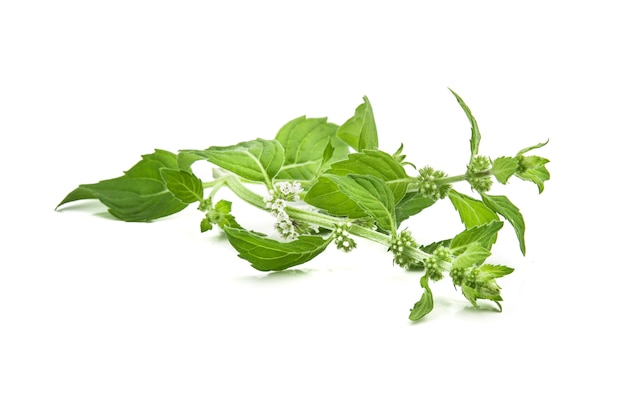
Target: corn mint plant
{"points": [[325, 185]]}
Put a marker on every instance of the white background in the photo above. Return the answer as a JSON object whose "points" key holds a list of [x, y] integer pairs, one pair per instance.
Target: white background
{"points": [[93, 308]]}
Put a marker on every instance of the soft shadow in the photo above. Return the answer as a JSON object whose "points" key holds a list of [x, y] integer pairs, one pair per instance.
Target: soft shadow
{"points": [[277, 276], [482, 308]]}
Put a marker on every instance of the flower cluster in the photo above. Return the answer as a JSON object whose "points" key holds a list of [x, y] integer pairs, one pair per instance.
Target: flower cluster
{"points": [[400, 247], [428, 186], [282, 192], [477, 173], [436, 264], [342, 238], [276, 201]]}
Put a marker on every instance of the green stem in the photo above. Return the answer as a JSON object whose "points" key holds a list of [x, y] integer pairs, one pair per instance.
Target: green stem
{"points": [[451, 179], [216, 187], [330, 222], [243, 192], [313, 217]]}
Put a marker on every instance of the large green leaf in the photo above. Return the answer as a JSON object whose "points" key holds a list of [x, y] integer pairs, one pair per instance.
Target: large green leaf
{"points": [[412, 203], [472, 211], [355, 196], [372, 195], [375, 163], [139, 195], [306, 142], [325, 194], [503, 206], [360, 130], [258, 160], [475, 138], [266, 254]]}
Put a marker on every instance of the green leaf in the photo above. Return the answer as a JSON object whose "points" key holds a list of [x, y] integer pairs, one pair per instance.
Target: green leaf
{"points": [[495, 271], [532, 169], [220, 215], [527, 149], [484, 234], [306, 142], [328, 154], [267, 254], [375, 163], [325, 194], [257, 160], [372, 195], [472, 211], [430, 248], [80, 193], [470, 294], [426, 304], [411, 204], [205, 225], [360, 130], [503, 206], [185, 186], [475, 139], [474, 254], [503, 168], [139, 195]]}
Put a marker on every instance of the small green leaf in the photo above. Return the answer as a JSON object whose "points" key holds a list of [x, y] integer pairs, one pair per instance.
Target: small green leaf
{"points": [[306, 142], [503, 206], [484, 234], [475, 139], [533, 169], [267, 254], [474, 254], [185, 186], [411, 204], [328, 154], [472, 211], [223, 206], [503, 168], [430, 248], [220, 215], [372, 195], [257, 160], [537, 146], [495, 271], [360, 130], [138, 195], [426, 304], [205, 225], [470, 294]]}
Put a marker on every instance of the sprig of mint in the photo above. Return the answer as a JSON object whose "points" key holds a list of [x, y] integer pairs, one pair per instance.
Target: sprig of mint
{"points": [[326, 184]]}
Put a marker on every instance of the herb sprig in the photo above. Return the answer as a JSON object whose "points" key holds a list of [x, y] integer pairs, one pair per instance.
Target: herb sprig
{"points": [[326, 184]]}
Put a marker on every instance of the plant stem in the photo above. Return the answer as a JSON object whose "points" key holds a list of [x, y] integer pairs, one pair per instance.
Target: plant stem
{"points": [[313, 217]]}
